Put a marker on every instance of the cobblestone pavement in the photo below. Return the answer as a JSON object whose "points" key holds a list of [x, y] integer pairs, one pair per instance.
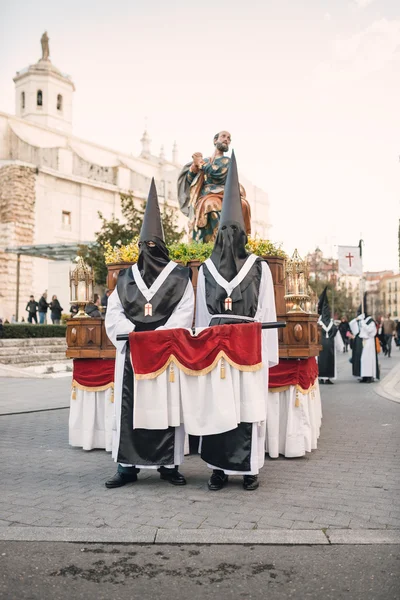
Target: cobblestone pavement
{"points": [[351, 481]]}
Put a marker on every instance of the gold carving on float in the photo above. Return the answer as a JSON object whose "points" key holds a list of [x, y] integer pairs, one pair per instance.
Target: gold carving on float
{"points": [[298, 332]]}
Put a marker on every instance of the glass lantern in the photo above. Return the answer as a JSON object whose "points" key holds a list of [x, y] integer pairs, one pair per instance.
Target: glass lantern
{"points": [[81, 284]]}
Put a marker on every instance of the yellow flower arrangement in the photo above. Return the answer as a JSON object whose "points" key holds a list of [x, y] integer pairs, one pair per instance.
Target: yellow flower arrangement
{"points": [[118, 254], [184, 253]]}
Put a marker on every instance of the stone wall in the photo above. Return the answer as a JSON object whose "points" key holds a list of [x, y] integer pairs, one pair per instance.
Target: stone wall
{"points": [[17, 219]]}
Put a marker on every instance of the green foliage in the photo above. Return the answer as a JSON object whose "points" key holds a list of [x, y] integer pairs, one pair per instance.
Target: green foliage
{"points": [[185, 253], [120, 234], [24, 330]]}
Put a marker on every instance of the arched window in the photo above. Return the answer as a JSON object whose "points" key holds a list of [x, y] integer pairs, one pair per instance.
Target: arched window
{"points": [[22, 100], [39, 100], [59, 102]]}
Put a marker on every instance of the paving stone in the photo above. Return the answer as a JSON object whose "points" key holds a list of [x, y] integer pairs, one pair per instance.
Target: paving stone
{"points": [[351, 481]]}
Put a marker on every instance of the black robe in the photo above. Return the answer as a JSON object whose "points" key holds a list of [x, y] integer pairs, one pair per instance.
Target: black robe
{"points": [[356, 356], [326, 358], [231, 450], [144, 446]]}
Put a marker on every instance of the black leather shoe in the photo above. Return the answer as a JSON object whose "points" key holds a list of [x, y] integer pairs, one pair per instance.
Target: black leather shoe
{"points": [[250, 482], [172, 475], [120, 479], [217, 480], [329, 382]]}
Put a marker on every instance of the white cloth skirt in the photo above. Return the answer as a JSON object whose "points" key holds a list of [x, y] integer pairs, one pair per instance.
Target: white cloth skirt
{"points": [[293, 430], [91, 419]]}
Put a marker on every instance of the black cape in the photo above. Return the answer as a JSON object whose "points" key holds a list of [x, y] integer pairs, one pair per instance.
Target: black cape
{"points": [[231, 450], [143, 446]]}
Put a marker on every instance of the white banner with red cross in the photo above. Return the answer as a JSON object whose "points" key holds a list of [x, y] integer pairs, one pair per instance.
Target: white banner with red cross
{"points": [[350, 260]]}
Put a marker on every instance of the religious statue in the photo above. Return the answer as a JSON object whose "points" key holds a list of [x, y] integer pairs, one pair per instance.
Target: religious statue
{"points": [[201, 186], [44, 40]]}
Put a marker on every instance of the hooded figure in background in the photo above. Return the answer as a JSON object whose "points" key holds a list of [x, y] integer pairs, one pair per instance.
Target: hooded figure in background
{"points": [[326, 358], [156, 292], [357, 344], [369, 367], [236, 287]]}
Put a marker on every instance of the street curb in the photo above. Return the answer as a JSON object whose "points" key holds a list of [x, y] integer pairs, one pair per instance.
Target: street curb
{"points": [[389, 387], [145, 535], [237, 536], [363, 536], [152, 535]]}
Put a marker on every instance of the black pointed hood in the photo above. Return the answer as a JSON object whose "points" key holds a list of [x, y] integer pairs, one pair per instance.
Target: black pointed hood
{"points": [[231, 203], [229, 252], [152, 259], [152, 225], [323, 307], [366, 312]]}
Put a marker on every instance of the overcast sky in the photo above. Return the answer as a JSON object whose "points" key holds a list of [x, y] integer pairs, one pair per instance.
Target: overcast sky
{"points": [[309, 89]]}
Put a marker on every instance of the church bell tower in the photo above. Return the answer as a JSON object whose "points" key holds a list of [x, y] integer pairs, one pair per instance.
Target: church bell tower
{"points": [[43, 94]]}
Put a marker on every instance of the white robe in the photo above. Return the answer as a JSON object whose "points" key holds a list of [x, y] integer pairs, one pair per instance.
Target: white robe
{"points": [[117, 323], [368, 356], [270, 355]]}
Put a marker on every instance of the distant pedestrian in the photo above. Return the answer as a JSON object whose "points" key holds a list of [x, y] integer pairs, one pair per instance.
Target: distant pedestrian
{"points": [[93, 309], [43, 306], [55, 310], [389, 328], [381, 336], [32, 308], [14, 319], [344, 329], [104, 300]]}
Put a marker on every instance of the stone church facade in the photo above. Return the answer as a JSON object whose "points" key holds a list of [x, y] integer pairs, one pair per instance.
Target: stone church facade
{"points": [[52, 184]]}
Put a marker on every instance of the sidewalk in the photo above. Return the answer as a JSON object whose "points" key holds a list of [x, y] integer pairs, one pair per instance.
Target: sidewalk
{"points": [[347, 491]]}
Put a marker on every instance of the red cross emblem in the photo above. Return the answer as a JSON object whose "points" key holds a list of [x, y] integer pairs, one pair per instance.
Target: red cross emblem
{"points": [[148, 310], [228, 303], [349, 256]]}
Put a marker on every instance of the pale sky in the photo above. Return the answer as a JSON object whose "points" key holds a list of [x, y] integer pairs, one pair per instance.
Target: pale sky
{"points": [[309, 89]]}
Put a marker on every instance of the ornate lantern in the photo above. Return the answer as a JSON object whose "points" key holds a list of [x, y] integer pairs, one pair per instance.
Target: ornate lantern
{"points": [[81, 283], [296, 284]]}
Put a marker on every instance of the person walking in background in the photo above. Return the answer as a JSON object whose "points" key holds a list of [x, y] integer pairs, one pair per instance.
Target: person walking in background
{"points": [[398, 334], [93, 309], [389, 327], [43, 306], [104, 300], [381, 335], [344, 329], [55, 310], [32, 307]]}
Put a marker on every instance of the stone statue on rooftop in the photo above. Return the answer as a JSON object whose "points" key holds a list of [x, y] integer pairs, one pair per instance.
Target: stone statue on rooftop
{"points": [[44, 40]]}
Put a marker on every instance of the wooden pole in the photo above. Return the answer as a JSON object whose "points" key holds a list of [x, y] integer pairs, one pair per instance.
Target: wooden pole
{"points": [[17, 292]]}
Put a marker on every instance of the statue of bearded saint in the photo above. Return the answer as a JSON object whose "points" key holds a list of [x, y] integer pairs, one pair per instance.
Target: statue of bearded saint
{"points": [[201, 186]]}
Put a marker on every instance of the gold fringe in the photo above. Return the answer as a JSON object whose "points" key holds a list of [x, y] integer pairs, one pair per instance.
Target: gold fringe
{"points": [[112, 395], [171, 373], [86, 388], [221, 354], [222, 369], [283, 388], [73, 396]]}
